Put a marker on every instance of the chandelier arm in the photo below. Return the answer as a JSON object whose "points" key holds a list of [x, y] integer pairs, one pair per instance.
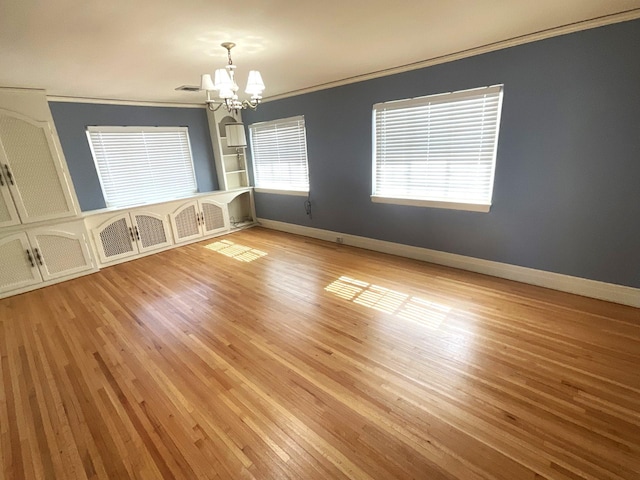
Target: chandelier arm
{"points": [[211, 103], [253, 105]]}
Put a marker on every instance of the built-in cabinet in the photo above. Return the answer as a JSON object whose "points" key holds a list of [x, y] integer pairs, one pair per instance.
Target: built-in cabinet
{"points": [[126, 234], [33, 184], [42, 254], [199, 218], [131, 233], [40, 242]]}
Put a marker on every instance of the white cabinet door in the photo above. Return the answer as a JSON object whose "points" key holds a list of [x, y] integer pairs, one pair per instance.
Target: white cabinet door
{"points": [[33, 168], [8, 213], [151, 230], [186, 222], [213, 217], [60, 250], [115, 239], [17, 263]]}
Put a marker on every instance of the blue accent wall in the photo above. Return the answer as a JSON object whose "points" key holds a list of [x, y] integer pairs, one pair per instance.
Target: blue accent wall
{"points": [[567, 187], [72, 120]]}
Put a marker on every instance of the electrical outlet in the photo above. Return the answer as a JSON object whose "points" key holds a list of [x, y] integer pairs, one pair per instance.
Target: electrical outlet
{"points": [[339, 240]]}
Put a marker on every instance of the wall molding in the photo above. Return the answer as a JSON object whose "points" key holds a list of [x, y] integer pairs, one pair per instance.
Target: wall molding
{"points": [[556, 281], [491, 47], [133, 103]]}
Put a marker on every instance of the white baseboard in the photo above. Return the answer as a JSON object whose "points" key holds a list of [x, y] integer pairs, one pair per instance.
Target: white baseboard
{"points": [[565, 283]]}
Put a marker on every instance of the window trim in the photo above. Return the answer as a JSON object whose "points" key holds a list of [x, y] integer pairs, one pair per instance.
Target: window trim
{"points": [[413, 202], [482, 207], [280, 191], [299, 193], [138, 129]]}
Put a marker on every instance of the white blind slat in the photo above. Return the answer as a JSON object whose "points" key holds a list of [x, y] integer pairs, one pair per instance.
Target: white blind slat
{"points": [[142, 164], [279, 151], [441, 147]]}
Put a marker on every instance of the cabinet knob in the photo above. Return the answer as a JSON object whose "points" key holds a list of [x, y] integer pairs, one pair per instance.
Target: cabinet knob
{"points": [[135, 229], [133, 239], [9, 176]]}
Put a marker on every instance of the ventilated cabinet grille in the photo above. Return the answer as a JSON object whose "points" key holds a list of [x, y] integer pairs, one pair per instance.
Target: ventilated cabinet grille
{"points": [[151, 230], [15, 269], [33, 167], [61, 253], [187, 223], [116, 239], [213, 216]]}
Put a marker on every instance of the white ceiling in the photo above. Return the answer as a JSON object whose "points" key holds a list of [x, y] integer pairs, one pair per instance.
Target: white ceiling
{"points": [[140, 50]]}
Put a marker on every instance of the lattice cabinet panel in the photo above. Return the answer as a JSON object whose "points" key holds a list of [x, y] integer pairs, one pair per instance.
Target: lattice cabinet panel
{"points": [[32, 167], [17, 264], [131, 233], [115, 239], [186, 222], [152, 231], [213, 216], [60, 250], [8, 213]]}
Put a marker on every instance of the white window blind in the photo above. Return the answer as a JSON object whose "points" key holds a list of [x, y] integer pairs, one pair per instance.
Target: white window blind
{"points": [[440, 148], [279, 151], [139, 165]]}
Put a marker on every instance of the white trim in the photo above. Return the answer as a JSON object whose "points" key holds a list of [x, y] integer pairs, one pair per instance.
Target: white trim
{"points": [[512, 42], [565, 283], [299, 193], [414, 202], [295, 118], [438, 98], [134, 103]]}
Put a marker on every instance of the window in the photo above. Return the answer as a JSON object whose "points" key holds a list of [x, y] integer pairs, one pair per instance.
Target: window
{"points": [[139, 165], [438, 150], [279, 151]]}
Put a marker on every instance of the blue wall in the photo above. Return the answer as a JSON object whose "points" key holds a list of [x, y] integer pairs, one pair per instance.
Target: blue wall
{"points": [[72, 119], [567, 186]]}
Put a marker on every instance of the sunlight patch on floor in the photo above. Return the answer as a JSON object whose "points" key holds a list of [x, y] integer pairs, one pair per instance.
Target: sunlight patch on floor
{"points": [[239, 252], [402, 305]]}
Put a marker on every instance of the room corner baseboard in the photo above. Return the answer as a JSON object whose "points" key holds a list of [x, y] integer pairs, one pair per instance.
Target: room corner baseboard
{"points": [[565, 283]]}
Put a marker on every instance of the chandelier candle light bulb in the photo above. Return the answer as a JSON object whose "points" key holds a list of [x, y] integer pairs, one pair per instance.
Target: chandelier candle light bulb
{"points": [[224, 83]]}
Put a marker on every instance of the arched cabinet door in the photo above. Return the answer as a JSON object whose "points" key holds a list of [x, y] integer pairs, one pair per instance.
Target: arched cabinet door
{"points": [[60, 250], [151, 230], [214, 217], [8, 213], [18, 267], [186, 222], [115, 239], [33, 169]]}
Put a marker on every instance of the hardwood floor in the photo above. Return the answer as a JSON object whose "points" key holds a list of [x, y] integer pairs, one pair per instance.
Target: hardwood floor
{"points": [[265, 355]]}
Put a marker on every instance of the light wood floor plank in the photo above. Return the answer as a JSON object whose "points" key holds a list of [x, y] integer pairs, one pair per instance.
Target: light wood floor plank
{"points": [[294, 358]]}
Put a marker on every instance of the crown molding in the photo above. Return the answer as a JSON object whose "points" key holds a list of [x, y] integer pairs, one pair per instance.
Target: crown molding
{"points": [[104, 101], [625, 16]]}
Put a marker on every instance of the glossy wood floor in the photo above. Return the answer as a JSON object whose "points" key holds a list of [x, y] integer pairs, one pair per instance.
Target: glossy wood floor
{"points": [[265, 355]]}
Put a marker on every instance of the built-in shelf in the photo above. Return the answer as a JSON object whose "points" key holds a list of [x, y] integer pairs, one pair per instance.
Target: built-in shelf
{"points": [[231, 165]]}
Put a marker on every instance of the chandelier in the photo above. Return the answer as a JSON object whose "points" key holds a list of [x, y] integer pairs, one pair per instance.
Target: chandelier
{"points": [[227, 88]]}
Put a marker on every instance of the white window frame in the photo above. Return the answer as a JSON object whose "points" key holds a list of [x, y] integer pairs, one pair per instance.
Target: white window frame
{"points": [[266, 188], [475, 205], [141, 130]]}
